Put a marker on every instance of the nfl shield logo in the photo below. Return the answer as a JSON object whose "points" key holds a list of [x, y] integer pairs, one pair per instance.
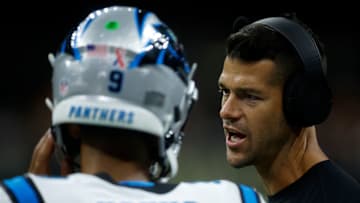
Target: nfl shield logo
{"points": [[63, 87]]}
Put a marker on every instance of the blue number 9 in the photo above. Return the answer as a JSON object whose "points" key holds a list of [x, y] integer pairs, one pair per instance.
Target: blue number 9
{"points": [[116, 78]]}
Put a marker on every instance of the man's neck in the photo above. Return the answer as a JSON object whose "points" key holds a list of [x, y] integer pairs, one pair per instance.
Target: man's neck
{"points": [[293, 161], [94, 161]]}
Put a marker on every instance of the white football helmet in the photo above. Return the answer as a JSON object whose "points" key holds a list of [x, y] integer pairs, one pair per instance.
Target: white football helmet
{"points": [[124, 68]]}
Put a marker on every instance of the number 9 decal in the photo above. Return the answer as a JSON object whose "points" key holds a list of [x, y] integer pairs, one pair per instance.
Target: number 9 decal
{"points": [[116, 79]]}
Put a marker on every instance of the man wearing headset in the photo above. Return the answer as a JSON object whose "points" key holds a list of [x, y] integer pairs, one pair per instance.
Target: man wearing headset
{"points": [[274, 92], [122, 92]]}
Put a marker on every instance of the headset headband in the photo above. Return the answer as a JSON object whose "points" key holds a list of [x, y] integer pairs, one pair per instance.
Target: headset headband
{"points": [[301, 40]]}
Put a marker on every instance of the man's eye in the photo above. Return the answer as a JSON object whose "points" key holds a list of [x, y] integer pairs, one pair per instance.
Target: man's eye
{"points": [[223, 91], [251, 97]]}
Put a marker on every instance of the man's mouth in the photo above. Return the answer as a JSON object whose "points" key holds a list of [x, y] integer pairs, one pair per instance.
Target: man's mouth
{"points": [[235, 136]]}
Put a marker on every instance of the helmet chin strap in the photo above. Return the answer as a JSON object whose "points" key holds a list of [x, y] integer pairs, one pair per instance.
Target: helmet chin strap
{"points": [[61, 150]]}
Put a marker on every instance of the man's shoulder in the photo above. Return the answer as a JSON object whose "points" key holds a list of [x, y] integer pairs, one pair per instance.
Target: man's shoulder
{"points": [[329, 174], [324, 182]]}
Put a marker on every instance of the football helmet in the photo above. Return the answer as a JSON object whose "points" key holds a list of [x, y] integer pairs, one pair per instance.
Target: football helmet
{"points": [[122, 67]]}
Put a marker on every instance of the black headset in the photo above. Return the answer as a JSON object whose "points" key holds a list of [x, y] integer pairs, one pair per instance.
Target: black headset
{"points": [[307, 96]]}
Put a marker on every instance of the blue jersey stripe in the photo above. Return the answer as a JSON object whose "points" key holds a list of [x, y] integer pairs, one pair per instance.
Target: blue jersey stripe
{"points": [[137, 183], [22, 190], [248, 194]]}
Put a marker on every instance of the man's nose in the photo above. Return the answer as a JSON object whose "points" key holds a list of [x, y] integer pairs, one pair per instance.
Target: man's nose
{"points": [[230, 108]]}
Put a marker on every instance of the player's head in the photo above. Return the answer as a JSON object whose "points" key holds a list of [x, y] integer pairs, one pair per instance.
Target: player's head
{"points": [[300, 60], [123, 68]]}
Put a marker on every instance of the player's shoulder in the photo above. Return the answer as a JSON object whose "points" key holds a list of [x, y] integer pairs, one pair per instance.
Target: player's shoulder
{"points": [[72, 180], [19, 188], [34, 188], [31, 181]]}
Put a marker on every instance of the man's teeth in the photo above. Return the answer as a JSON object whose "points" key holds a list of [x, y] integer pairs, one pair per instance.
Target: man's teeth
{"points": [[234, 137]]}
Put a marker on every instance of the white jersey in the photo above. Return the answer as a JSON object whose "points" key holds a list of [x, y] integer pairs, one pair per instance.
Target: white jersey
{"points": [[85, 188]]}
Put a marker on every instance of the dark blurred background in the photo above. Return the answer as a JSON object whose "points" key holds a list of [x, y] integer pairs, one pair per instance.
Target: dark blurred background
{"points": [[31, 30]]}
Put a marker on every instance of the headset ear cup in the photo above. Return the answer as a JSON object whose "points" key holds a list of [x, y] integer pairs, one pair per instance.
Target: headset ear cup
{"points": [[322, 102], [306, 101], [292, 99]]}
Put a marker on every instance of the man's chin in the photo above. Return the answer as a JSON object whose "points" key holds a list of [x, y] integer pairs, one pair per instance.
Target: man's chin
{"points": [[238, 162], [239, 165]]}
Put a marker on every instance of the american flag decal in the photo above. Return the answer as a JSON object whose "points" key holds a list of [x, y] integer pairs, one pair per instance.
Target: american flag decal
{"points": [[97, 50], [63, 87]]}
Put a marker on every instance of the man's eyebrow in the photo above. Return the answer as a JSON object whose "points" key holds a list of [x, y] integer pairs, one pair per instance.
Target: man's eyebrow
{"points": [[247, 90]]}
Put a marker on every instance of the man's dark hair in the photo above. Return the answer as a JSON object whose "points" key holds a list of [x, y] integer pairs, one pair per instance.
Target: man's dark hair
{"points": [[254, 42]]}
